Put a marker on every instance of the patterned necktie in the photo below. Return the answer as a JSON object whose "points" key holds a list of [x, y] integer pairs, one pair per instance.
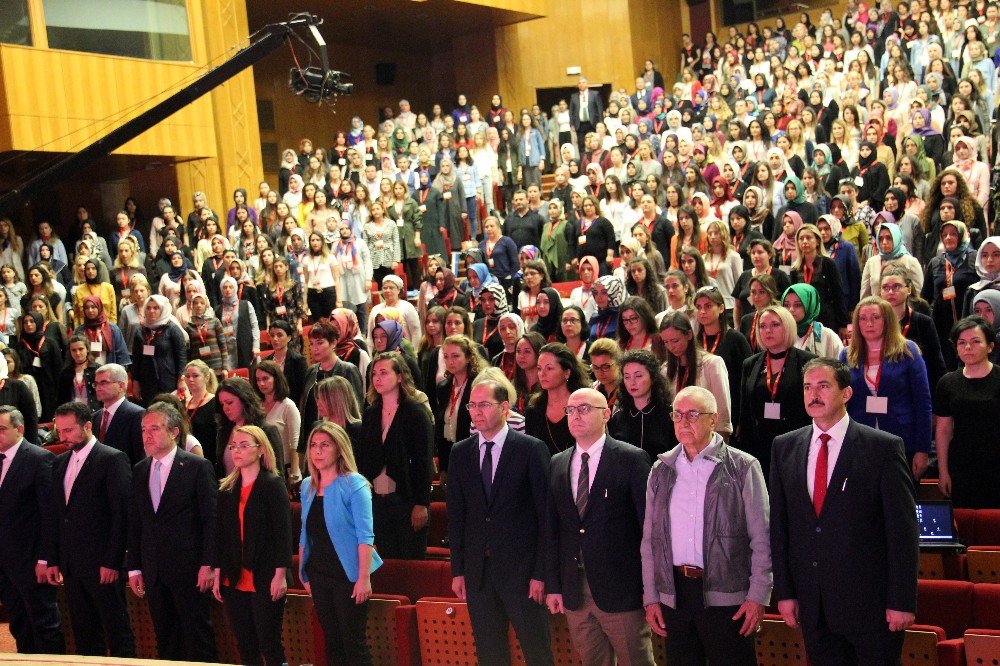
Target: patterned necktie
{"points": [[820, 482], [105, 422], [583, 484], [156, 487], [487, 470]]}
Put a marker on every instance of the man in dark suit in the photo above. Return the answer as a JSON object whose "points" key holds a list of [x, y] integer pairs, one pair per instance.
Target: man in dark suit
{"points": [[171, 538], [597, 503], [119, 423], [27, 523], [91, 486], [496, 518], [585, 112], [640, 94], [844, 538]]}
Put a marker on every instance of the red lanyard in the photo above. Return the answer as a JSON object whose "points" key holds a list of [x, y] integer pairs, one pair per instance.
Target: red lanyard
{"points": [[508, 365], [456, 394], [585, 225], [191, 410], [95, 335], [909, 320], [807, 272], [36, 352], [217, 263], [753, 330], [202, 327], [682, 380], [423, 195], [602, 329], [489, 249], [949, 272], [878, 377], [704, 342], [714, 268], [79, 386], [487, 333], [152, 337], [772, 388], [125, 278], [227, 319]]}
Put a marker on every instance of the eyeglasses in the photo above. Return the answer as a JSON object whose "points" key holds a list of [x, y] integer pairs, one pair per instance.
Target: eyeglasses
{"points": [[602, 368], [892, 288], [570, 320], [233, 448], [583, 410], [689, 416], [480, 405], [630, 320], [105, 382]]}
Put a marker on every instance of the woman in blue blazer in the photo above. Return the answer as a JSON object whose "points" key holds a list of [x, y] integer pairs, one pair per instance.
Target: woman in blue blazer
{"points": [[889, 379], [336, 549]]}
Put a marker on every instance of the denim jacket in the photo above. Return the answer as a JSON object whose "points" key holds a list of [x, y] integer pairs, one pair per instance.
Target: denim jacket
{"points": [[737, 544]]}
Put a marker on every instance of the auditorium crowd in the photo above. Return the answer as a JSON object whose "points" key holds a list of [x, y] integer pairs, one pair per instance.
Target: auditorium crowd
{"points": [[723, 284]]}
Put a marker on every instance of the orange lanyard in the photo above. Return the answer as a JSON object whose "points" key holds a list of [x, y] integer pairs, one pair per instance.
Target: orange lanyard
{"points": [[79, 386], [95, 335], [487, 333], [949, 272], [704, 342], [753, 330], [682, 380], [714, 268], [191, 410], [201, 331], [772, 388], [601, 330], [36, 352], [909, 320], [456, 394], [878, 377], [227, 319], [807, 272], [151, 338]]}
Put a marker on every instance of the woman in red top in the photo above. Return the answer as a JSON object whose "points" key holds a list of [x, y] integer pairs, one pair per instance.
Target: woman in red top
{"points": [[254, 548]]}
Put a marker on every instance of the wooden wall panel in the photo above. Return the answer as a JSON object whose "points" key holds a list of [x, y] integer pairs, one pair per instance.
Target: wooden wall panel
{"points": [[655, 35]]}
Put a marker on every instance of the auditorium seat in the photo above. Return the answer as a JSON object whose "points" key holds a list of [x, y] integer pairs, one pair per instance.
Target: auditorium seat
{"points": [[437, 532], [413, 579], [987, 528], [946, 604], [982, 646], [920, 645], [566, 288], [929, 490], [56, 449], [965, 525], [983, 564], [240, 372], [778, 644]]}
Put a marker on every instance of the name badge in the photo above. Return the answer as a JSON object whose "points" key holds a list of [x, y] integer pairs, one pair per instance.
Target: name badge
{"points": [[299, 270], [228, 331], [582, 240], [446, 196], [772, 411], [876, 404], [423, 208], [148, 350], [204, 351], [859, 181], [126, 293], [491, 263], [399, 223], [281, 309], [342, 161], [379, 245], [948, 293], [96, 347], [787, 270], [37, 363]]}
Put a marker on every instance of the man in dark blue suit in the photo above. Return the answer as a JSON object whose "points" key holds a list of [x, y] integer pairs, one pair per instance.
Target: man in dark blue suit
{"points": [[597, 504], [91, 488], [27, 526], [119, 423], [844, 537], [171, 538], [496, 518], [585, 111]]}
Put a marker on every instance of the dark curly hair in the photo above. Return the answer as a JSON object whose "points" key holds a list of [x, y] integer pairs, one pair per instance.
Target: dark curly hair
{"points": [[660, 393]]}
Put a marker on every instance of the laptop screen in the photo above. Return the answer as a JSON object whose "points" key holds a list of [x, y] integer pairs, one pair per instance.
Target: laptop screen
{"points": [[935, 521]]}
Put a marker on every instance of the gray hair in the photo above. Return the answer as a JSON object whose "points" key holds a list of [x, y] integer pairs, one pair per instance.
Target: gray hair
{"points": [[170, 414], [118, 372], [503, 390], [702, 396], [16, 417]]}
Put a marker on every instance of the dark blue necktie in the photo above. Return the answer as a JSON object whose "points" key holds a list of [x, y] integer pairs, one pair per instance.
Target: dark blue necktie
{"points": [[487, 470]]}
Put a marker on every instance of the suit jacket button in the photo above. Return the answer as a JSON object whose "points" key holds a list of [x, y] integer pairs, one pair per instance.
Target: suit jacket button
{"points": [[815, 564], [582, 531], [818, 530], [487, 520]]}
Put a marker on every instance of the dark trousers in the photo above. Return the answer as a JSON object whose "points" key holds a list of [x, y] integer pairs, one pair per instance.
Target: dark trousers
{"points": [[581, 135], [256, 623], [33, 614], [394, 535], [875, 648], [342, 620], [99, 617], [411, 266], [379, 274], [181, 621], [696, 632], [497, 603], [321, 302]]}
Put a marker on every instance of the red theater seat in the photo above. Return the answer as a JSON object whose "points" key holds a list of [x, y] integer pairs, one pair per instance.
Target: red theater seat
{"points": [[947, 604], [566, 288], [438, 531], [413, 579], [56, 449], [987, 528]]}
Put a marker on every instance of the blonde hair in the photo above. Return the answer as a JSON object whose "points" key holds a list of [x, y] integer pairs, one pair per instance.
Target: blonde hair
{"points": [[894, 345], [206, 372], [787, 320], [338, 399], [820, 249], [345, 463], [267, 460], [723, 233]]}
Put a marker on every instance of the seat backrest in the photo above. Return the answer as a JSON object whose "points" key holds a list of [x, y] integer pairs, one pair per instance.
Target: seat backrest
{"points": [[965, 525], [566, 288], [946, 604], [438, 530], [987, 527], [56, 449], [413, 579], [986, 606], [445, 632]]}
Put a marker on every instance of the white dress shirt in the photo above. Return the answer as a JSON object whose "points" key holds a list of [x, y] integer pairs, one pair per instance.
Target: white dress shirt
{"points": [[687, 505], [837, 434], [498, 441], [112, 410], [595, 451], [166, 462], [76, 460], [8, 459]]}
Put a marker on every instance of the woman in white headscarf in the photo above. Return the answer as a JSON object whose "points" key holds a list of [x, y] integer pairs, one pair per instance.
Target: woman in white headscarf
{"points": [[159, 353]]}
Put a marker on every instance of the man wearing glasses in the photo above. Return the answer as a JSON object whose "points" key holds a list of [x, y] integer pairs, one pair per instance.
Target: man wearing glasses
{"points": [[596, 505], [706, 554], [119, 422], [496, 522]]}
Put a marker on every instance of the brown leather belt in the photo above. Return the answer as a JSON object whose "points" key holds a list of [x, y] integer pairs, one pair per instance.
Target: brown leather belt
{"points": [[690, 572]]}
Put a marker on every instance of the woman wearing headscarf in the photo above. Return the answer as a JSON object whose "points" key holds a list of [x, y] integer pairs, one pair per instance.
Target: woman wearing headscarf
{"points": [[986, 304], [453, 215], [170, 282], [293, 197], [105, 340], [871, 176], [511, 328], [40, 358], [890, 250], [549, 307], [785, 248], [803, 301], [948, 276], [246, 290], [795, 197], [988, 270], [240, 326], [557, 241], [478, 276], [915, 147], [205, 331], [977, 173], [583, 296], [92, 286], [923, 127], [387, 336], [492, 303], [447, 291], [761, 214], [844, 256], [609, 293], [350, 345], [160, 352]]}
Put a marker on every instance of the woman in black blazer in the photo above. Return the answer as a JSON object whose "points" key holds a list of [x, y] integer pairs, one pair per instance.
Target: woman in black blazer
{"points": [[452, 422], [253, 548], [897, 288], [80, 362], [815, 268], [292, 363], [395, 457]]}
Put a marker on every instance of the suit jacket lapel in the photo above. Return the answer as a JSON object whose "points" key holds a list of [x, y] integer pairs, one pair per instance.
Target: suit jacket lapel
{"points": [[14, 469], [503, 466], [169, 489], [87, 464], [598, 477], [800, 458], [838, 481]]}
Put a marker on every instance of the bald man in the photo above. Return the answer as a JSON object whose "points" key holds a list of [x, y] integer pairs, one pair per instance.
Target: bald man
{"points": [[597, 501]]}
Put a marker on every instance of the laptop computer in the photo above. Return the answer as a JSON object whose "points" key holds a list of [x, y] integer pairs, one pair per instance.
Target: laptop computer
{"points": [[937, 526]]}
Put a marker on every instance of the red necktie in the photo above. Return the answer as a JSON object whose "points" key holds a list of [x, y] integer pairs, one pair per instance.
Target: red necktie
{"points": [[822, 461], [104, 424]]}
